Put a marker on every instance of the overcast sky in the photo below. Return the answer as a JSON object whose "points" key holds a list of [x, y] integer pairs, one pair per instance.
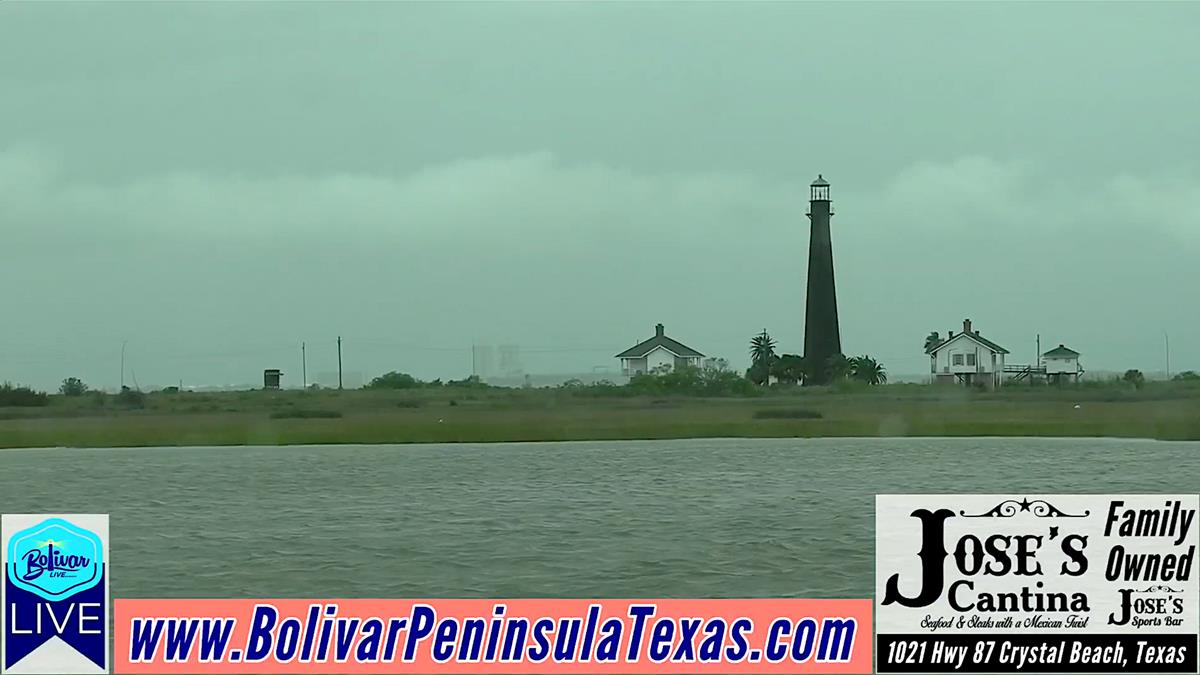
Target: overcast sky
{"points": [[216, 182]]}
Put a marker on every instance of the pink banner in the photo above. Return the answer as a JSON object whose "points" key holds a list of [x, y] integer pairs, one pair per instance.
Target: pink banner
{"points": [[493, 636]]}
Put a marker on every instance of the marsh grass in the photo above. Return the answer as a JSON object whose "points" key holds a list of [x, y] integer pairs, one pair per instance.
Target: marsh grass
{"points": [[786, 414], [305, 414], [1159, 410]]}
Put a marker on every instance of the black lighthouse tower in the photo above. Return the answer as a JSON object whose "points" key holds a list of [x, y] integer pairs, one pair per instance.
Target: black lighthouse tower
{"points": [[822, 339]]}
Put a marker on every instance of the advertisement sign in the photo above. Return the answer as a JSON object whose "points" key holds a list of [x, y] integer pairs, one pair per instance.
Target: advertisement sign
{"points": [[493, 636], [1036, 583]]}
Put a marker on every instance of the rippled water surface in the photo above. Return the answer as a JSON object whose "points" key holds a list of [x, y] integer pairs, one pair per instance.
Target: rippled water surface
{"points": [[710, 518]]}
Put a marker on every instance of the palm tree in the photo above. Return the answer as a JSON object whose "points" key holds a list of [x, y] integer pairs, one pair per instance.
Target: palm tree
{"points": [[932, 340], [762, 354], [838, 367], [866, 369], [857, 365], [789, 368], [762, 347]]}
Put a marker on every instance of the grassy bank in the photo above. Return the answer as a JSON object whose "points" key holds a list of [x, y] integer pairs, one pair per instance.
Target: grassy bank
{"points": [[1162, 411]]}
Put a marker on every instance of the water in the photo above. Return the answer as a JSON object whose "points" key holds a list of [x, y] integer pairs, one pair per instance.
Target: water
{"points": [[695, 518]]}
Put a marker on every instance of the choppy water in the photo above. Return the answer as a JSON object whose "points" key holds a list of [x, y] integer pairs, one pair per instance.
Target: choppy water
{"points": [[709, 518]]}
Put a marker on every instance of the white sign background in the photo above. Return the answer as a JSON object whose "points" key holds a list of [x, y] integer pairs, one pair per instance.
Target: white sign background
{"points": [[898, 537]]}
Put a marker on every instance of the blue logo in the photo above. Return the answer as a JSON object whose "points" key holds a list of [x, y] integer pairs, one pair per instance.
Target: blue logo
{"points": [[55, 560], [55, 587]]}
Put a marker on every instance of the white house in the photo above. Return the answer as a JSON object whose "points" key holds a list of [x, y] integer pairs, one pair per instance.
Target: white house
{"points": [[965, 358], [1062, 362], [658, 351]]}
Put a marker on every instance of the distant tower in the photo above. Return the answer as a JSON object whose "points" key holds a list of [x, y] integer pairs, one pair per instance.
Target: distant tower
{"points": [[821, 336]]}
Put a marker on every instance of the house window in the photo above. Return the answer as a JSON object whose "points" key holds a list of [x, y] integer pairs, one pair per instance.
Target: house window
{"points": [[970, 359], [958, 359]]}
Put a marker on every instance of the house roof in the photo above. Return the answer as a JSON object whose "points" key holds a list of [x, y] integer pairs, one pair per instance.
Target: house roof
{"points": [[974, 335], [659, 340], [1061, 352]]}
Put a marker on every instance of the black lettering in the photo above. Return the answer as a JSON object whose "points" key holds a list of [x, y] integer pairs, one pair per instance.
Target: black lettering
{"points": [[1072, 546], [932, 555]]}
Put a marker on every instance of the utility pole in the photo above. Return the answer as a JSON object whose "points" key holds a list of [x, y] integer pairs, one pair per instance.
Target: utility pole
{"points": [[1167, 340], [123, 343], [1038, 360], [339, 362], [303, 366]]}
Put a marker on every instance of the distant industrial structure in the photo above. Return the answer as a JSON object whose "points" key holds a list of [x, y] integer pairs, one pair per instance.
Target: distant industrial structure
{"points": [[483, 362], [271, 378], [510, 361], [822, 338], [658, 352], [490, 364]]}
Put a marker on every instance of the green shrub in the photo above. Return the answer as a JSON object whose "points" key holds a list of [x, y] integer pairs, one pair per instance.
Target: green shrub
{"points": [[131, 398], [471, 382], [22, 397], [305, 414], [693, 382], [786, 414], [72, 386], [1134, 377], [394, 380]]}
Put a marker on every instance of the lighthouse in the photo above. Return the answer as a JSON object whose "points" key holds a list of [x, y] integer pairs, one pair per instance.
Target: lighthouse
{"points": [[822, 340]]}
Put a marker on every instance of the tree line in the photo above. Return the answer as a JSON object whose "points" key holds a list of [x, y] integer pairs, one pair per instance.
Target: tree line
{"points": [[713, 380], [767, 366]]}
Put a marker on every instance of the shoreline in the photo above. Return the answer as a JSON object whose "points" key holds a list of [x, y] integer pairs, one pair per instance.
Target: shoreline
{"points": [[406, 444]]}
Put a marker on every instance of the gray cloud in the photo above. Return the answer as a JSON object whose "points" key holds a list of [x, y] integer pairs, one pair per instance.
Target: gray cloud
{"points": [[577, 260]]}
